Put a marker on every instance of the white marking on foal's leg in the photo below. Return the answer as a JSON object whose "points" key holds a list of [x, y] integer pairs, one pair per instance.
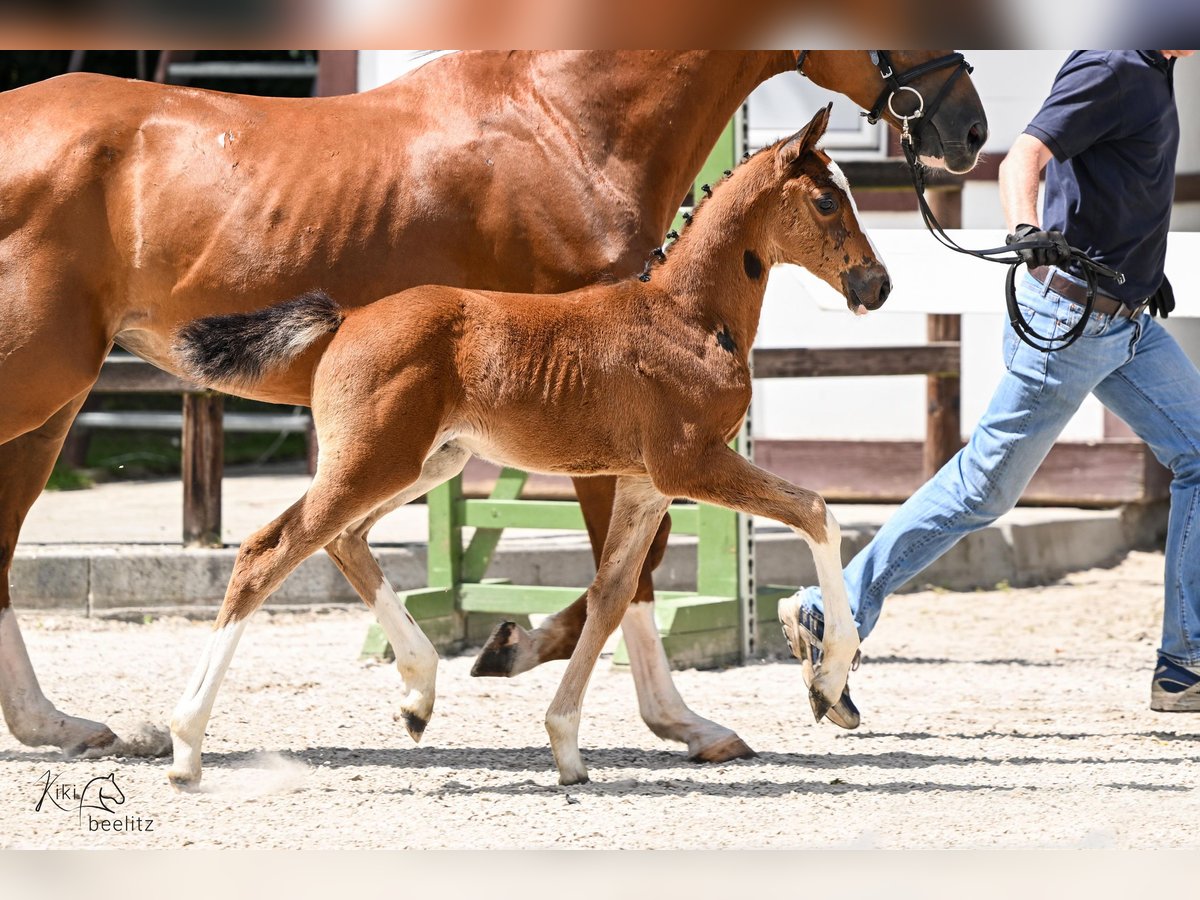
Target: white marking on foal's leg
{"points": [[416, 659], [658, 699], [32, 719], [840, 641], [563, 729], [195, 706]]}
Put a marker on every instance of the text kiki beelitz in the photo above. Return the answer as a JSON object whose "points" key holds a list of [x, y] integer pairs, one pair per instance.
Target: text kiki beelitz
{"points": [[98, 801]]}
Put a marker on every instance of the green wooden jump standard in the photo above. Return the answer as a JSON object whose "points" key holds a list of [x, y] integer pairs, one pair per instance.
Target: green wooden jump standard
{"points": [[715, 625]]}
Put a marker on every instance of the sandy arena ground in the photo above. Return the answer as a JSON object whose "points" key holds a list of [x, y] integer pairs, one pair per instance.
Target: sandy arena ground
{"points": [[1012, 718]]}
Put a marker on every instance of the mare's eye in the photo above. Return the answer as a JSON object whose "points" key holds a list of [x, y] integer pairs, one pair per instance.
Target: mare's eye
{"points": [[827, 204]]}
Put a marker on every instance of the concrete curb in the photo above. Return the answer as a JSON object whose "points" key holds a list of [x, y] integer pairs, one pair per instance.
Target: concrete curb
{"points": [[108, 579]]}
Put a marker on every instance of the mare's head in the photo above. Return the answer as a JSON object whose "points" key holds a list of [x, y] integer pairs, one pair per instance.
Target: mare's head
{"points": [[813, 221], [949, 132]]}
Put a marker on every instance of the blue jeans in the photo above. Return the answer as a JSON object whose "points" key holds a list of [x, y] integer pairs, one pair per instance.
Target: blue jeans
{"points": [[1138, 371]]}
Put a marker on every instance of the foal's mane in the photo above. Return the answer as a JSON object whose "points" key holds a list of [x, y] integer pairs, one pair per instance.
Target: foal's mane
{"points": [[658, 255]]}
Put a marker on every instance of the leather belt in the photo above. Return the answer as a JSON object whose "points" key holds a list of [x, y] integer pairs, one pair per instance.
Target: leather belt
{"points": [[1077, 293]]}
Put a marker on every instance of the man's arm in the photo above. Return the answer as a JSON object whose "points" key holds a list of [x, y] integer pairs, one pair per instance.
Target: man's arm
{"points": [[1020, 173]]}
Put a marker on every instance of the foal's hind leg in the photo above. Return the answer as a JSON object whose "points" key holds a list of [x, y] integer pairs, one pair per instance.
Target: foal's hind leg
{"points": [[637, 511], [349, 484], [416, 658], [721, 476]]}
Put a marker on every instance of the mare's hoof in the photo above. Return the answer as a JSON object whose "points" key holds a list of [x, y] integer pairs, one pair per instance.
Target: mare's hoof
{"points": [[102, 742], [731, 747], [501, 654]]}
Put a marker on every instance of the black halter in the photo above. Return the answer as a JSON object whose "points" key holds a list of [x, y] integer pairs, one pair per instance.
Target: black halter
{"points": [[895, 83]]}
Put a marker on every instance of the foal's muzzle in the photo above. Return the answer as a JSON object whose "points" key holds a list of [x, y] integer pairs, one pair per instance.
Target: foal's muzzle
{"points": [[866, 287]]}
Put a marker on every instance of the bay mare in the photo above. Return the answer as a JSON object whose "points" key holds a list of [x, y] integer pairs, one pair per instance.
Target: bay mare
{"points": [[645, 381], [131, 208]]}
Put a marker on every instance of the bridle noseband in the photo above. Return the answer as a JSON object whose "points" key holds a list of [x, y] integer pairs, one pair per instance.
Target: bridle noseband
{"points": [[896, 83], [901, 82]]}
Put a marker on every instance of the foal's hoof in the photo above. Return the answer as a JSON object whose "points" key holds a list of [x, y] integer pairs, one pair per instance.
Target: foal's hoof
{"points": [[184, 782], [820, 706], [508, 652], [415, 713], [414, 725], [844, 713]]}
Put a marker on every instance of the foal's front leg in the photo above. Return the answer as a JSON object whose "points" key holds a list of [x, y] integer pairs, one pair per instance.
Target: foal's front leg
{"points": [[637, 511], [721, 476]]}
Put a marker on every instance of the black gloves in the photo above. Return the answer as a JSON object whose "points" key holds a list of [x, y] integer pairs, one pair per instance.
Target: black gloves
{"points": [[1162, 301], [1055, 253]]}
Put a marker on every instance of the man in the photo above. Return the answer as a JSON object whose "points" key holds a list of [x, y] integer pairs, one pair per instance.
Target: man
{"points": [[1107, 136]]}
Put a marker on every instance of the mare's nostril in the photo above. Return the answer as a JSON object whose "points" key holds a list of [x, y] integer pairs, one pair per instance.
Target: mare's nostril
{"points": [[976, 136]]}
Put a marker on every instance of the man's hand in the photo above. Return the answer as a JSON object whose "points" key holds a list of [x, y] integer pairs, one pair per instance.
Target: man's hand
{"points": [[1055, 251], [1162, 301]]}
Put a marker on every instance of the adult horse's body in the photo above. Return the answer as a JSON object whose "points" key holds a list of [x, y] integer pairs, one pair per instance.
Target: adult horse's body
{"points": [[130, 208]]}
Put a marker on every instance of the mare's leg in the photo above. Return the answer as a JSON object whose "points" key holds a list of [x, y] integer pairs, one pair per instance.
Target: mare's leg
{"points": [[416, 658], [637, 512], [721, 476], [25, 465], [511, 650], [369, 455], [662, 709], [52, 345]]}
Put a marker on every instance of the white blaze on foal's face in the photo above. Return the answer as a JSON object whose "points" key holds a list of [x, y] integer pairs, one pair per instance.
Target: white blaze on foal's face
{"points": [[839, 179]]}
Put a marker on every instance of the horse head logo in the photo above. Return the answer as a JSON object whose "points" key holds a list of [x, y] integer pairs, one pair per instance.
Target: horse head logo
{"points": [[104, 797]]}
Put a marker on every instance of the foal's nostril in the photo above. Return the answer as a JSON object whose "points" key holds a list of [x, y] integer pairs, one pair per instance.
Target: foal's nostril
{"points": [[885, 289]]}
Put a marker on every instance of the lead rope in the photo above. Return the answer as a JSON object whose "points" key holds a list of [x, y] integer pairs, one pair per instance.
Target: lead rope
{"points": [[1009, 255]]}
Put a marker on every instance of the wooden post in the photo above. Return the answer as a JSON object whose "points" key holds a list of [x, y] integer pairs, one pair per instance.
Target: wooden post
{"points": [[203, 466], [337, 72], [943, 425]]}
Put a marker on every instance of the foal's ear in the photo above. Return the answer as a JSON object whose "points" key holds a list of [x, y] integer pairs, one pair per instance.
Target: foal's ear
{"points": [[803, 141]]}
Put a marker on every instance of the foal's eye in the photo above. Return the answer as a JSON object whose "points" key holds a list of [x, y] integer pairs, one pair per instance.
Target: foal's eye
{"points": [[827, 204]]}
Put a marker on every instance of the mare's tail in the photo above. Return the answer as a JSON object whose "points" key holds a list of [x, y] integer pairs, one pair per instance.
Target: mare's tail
{"points": [[242, 347]]}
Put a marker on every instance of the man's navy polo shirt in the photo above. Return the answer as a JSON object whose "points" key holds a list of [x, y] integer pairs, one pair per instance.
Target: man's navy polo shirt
{"points": [[1112, 125]]}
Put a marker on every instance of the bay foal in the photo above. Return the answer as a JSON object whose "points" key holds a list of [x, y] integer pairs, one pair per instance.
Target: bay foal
{"points": [[645, 380]]}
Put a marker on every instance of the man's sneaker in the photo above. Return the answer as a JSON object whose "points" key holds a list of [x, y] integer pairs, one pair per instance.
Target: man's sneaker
{"points": [[803, 627], [1175, 688]]}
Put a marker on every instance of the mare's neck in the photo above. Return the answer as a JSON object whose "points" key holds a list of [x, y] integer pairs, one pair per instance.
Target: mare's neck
{"points": [[649, 119]]}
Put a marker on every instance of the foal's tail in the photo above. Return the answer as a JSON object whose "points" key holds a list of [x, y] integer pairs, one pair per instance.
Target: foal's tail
{"points": [[242, 347]]}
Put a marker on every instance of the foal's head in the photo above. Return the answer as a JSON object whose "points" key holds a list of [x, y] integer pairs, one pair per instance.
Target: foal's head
{"points": [[813, 221]]}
